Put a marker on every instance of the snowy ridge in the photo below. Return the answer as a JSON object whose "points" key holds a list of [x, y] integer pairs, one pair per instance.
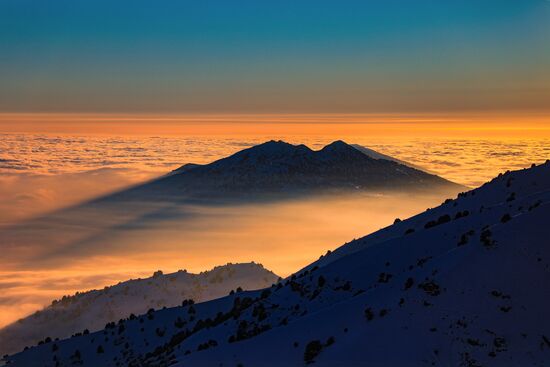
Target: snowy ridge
{"points": [[463, 284], [94, 309], [376, 155]]}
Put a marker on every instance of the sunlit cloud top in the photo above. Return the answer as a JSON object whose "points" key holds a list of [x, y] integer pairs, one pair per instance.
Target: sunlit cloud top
{"points": [[283, 56]]}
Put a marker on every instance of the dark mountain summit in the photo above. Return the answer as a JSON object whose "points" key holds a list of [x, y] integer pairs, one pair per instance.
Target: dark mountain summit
{"points": [[277, 167]]}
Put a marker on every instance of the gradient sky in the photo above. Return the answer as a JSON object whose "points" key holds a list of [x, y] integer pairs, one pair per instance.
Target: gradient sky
{"points": [[276, 56]]}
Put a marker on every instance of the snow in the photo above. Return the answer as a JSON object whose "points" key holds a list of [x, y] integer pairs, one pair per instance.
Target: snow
{"points": [[377, 155], [467, 287], [94, 309]]}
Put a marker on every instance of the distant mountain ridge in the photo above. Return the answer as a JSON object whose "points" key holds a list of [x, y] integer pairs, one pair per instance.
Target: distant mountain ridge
{"points": [[93, 309], [277, 167], [462, 284]]}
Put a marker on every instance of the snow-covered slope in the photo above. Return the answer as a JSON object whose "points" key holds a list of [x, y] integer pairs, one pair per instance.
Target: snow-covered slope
{"points": [[92, 310], [464, 284], [377, 155]]}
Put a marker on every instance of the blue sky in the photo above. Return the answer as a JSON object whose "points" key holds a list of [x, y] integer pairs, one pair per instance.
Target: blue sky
{"points": [[284, 56]]}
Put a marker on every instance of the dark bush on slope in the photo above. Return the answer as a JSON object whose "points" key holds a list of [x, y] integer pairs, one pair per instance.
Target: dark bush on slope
{"points": [[313, 348]]}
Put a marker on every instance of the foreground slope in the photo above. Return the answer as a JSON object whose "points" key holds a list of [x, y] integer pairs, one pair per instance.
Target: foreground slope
{"points": [[92, 310], [464, 284]]}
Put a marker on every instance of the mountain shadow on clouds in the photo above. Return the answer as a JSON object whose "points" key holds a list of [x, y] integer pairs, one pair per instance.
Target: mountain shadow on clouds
{"points": [[270, 172]]}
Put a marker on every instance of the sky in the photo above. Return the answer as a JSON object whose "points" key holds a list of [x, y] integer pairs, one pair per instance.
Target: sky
{"points": [[138, 56]]}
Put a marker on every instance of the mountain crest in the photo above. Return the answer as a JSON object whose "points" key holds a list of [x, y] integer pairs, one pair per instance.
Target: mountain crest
{"points": [[280, 168], [339, 146], [276, 147]]}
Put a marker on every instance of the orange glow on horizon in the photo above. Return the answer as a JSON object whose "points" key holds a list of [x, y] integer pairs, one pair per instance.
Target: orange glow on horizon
{"points": [[383, 125]]}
